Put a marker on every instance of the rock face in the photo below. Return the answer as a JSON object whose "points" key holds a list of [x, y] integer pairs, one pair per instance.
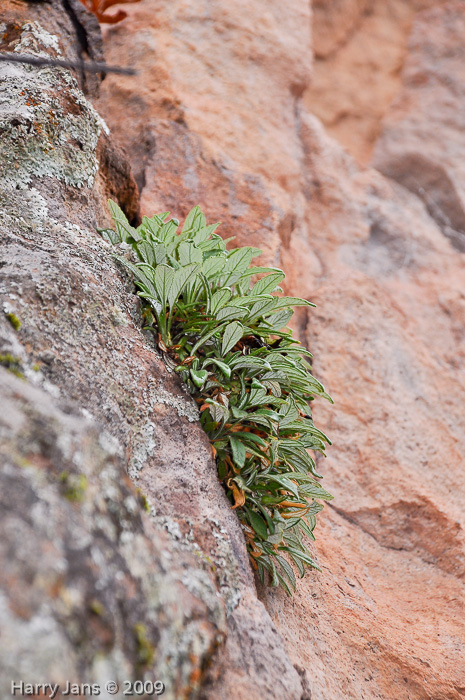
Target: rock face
{"points": [[86, 579], [360, 48], [219, 115], [224, 126], [422, 144], [121, 594]]}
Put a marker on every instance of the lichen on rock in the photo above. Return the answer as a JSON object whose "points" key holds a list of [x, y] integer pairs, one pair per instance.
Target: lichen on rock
{"points": [[43, 117]]}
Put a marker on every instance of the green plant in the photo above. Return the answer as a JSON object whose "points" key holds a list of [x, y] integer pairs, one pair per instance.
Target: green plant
{"points": [[226, 336]]}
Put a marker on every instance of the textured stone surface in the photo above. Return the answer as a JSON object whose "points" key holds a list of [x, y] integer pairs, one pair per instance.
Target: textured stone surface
{"points": [[360, 48], [385, 618], [422, 144], [80, 341], [90, 591], [208, 83]]}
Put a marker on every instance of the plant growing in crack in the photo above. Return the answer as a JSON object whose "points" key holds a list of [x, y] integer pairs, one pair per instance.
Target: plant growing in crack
{"points": [[226, 336]]}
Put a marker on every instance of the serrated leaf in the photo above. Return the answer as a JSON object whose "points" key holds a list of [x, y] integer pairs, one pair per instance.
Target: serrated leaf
{"points": [[288, 412], [292, 301], [167, 232], [123, 227], [279, 320], [229, 313], [163, 279], [222, 365], [204, 233], [142, 280], [189, 253], [236, 263], [195, 220], [212, 266], [267, 284], [260, 308], [250, 362], [154, 223], [218, 300], [287, 568], [274, 387], [217, 411], [251, 437], [282, 481], [179, 280], [109, 235], [303, 556], [257, 270], [231, 335]]}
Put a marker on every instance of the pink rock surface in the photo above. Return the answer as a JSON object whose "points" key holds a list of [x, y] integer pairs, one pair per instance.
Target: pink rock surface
{"points": [[360, 48], [422, 143], [218, 119]]}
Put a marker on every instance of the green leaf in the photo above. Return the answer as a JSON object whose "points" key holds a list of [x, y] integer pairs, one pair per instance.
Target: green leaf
{"points": [[250, 362], [261, 307], [163, 278], [179, 280], [282, 481], [279, 320], [154, 224], [287, 568], [229, 313], [303, 556], [200, 292], [258, 524], [199, 377], [189, 253], [267, 284], [288, 412], [222, 365], [292, 301], [231, 335], [251, 437], [212, 266], [218, 300], [238, 450], [273, 385], [257, 270], [123, 227], [237, 262], [204, 233], [195, 221], [109, 235]]}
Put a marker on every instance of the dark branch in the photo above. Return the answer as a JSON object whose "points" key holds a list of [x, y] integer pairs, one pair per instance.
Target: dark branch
{"points": [[88, 66]]}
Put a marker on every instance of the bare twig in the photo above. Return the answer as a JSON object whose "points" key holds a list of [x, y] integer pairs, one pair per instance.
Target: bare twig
{"points": [[87, 66]]}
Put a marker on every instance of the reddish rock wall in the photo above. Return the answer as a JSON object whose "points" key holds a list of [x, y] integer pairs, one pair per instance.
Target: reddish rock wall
{"points": [[360, 48], [220, 117]]}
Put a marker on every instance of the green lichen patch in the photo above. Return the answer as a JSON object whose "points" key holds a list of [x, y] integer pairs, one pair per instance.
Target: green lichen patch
{"points": [[145, 648], [48, 128], [74, 486], [12, 364], [14, 320], [96, 607], [143, 500]]}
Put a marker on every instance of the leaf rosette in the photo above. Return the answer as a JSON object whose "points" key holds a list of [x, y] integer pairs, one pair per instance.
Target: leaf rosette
{"points": [[221, 322]]}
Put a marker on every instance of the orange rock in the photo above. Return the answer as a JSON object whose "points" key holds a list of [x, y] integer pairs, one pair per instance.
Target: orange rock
{"points": [[221, 119]]}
